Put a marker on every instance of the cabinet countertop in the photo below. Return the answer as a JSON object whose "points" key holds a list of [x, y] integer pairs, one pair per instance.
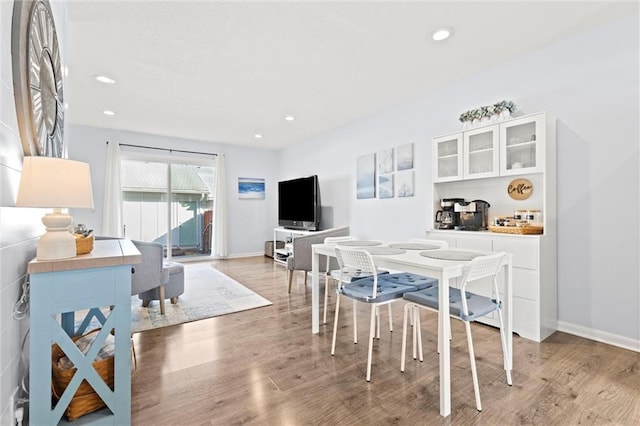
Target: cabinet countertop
{"points": [[104, 253], [484, 233]]}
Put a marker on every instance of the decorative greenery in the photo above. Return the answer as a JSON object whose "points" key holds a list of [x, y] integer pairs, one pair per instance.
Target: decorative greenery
{"points": [[487, 111], [505, 105]]}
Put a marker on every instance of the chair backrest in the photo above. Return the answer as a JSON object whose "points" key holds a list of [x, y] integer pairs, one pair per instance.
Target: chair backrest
{"points": [[148, 273], [302, 251], [441, 244], [335, 240], [482, 267], [357, 258]]}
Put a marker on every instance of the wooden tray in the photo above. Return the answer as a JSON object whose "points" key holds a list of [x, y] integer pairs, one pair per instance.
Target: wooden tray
{"points": [[519, 230]]}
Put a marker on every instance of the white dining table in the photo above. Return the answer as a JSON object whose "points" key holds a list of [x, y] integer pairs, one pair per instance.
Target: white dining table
{"points": [[445, 271]]}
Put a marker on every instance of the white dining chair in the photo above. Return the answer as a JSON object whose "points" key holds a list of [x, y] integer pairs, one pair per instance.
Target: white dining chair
{"points": [[464, 306], [332, 275], [375, 290], [346, 275]]}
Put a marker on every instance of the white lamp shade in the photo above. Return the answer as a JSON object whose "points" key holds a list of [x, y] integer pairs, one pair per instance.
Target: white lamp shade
{"points": [[54, 183]]}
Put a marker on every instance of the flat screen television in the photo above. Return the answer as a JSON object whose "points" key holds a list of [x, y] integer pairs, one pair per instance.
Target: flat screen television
{"points": [[299, 203]]}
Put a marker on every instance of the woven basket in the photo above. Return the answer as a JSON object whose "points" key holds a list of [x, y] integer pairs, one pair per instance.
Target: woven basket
{"points": [[84, 245], [85, 400], [519, 230]]}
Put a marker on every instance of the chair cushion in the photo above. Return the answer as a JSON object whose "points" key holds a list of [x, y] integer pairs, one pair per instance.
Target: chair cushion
{"points": [[479, 306], [362, 290], [413, 280], [173, 280], [173, 267]]}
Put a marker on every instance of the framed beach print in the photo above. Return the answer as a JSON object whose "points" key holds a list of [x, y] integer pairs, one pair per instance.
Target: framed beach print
{"points": [[251, 188], [404, 157], [366, 176], [385, 185], [385, 161], [404, 184]]}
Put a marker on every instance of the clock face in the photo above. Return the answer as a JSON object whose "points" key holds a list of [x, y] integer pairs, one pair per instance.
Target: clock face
{"points": [[37, 79]]}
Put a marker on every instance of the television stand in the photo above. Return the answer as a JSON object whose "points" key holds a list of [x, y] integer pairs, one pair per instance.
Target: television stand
{"points": [[286, 235]]}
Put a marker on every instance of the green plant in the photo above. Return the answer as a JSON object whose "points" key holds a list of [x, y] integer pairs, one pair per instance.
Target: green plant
{"points": [[487, 111]]}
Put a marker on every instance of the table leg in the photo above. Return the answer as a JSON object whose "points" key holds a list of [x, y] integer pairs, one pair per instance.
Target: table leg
{"points": [[443, 339], [315, 297], [508, 311]]}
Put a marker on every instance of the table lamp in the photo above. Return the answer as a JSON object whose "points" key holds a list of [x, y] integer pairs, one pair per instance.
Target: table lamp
{"points": [[55, 183]]}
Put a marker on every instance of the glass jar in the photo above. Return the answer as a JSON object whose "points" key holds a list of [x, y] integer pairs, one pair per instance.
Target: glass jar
{"points": [[534, 217]]}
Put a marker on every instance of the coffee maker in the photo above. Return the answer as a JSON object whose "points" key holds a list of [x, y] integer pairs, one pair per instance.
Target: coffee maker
{"points": [[473, 215], [448, 218]]}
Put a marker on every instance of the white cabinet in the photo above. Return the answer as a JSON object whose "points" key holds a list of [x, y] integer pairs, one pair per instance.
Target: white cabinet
{"points": [[486, 159], [480, 151], [286, 235], [447, 154], [522, 147], [512, 147], [534, 283]]}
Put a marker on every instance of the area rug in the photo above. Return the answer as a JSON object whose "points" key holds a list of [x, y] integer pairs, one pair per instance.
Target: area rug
{"points": [[207, 293]]}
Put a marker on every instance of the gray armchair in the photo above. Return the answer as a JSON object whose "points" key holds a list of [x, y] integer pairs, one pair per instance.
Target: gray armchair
{"points": [[300, 259], [149, 275]]}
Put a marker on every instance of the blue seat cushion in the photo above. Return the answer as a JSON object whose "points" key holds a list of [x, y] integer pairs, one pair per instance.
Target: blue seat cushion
{"points": [[362, 290], [478, 306], [412, 280]]}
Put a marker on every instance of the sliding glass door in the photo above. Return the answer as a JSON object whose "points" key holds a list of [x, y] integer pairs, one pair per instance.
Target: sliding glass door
{"points": [[170, 202]]}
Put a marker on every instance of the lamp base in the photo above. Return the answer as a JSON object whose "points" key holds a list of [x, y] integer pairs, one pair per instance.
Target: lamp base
{"points": [[57, 243]]}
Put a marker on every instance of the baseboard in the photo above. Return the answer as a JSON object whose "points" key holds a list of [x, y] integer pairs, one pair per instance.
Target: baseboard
{"points": [[209, 257], [600, 336], [238, 255]]}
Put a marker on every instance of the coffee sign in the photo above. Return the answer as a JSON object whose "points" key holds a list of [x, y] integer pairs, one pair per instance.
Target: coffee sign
{"points": [[520, 189]]}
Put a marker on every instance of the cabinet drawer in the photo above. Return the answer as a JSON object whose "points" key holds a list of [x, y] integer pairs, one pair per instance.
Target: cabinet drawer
{"points": [[482, 244], [525, 253], [525, 283], [525, 314]]}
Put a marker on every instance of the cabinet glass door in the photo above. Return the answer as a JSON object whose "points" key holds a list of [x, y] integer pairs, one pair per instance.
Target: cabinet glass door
{"points": [[481, 152], [447, 154], [522, 145]]}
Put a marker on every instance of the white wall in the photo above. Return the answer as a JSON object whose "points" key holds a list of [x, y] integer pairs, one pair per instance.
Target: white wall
{"points": [[590, 84], [250, 222], [19, 227]]}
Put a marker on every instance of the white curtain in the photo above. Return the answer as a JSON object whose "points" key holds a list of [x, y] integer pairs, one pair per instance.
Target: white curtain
{"points": [[112, 214], [219, 243]]}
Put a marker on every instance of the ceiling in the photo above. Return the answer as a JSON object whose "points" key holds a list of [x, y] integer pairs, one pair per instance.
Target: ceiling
{"points": [[223, 71]]}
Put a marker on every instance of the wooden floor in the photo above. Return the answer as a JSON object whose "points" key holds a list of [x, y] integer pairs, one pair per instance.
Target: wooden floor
{"points": [[264, 367]]}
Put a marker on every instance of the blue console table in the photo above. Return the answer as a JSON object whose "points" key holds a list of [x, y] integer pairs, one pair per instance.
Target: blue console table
{"points": [[59, 290]]}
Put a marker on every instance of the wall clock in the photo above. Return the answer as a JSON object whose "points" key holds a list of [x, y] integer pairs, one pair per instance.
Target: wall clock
{"points": [[37, 78]]}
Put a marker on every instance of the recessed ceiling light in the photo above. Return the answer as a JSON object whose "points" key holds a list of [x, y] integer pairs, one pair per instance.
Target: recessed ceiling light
{"points": [[104, 79], [289, 118], [441, 34], [257, 136], [108, 112]]}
